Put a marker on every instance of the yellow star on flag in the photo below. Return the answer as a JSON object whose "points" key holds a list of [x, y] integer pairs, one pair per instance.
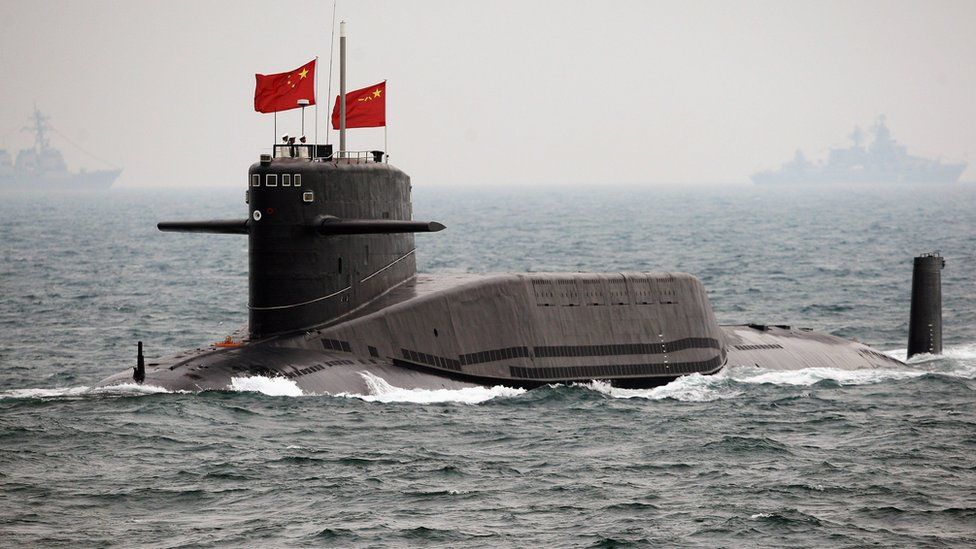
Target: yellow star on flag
{"points": [[378, 92], [303, 73]]}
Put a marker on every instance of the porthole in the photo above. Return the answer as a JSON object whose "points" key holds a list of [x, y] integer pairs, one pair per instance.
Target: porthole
{"points": [[307, 196], [257, 215]]}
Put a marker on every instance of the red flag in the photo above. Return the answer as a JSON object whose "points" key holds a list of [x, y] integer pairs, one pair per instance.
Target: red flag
{"points": [[365, 108], [280, 92]]}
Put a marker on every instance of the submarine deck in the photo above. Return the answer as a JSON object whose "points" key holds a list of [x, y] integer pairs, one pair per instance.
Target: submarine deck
{"points": [[418, 286], [321, 360]]}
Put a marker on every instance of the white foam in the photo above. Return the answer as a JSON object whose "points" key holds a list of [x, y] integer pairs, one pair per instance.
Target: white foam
{"points": [[689, 388], [45, 393], [381, 391], [810, 376], [956, 352], [956, 360], [123, 389], [271, 386], [699, 388], [131, 389]]}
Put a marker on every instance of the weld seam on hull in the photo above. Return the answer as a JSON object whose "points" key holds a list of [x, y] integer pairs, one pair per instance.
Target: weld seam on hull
{"points": [[394, 262], [277, 307]]}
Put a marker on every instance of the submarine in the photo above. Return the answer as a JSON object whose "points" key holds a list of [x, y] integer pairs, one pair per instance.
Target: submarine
{"points": [[335, 302]]}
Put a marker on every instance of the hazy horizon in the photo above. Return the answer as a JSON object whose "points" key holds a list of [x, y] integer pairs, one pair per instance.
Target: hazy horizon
{"points": [[537, 93]]}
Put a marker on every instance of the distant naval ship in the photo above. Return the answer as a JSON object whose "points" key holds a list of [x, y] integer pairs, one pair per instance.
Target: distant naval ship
{"points": [[883, 161], [42, 167]]}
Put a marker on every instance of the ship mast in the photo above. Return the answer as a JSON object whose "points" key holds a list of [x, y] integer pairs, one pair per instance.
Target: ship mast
{"points": [[342, 89], [39, 127]]}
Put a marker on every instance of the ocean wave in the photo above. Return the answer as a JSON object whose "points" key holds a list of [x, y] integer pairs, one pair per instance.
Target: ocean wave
{"points": [[966, 352], [732, 382], [122, 389], [689, 388], [956, 361], [381, 391], [271, 386], [811, 376]]}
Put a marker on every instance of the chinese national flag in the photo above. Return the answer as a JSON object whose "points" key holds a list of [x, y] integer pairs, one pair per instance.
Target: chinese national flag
{"points": [[280, 92], [365, 108]]}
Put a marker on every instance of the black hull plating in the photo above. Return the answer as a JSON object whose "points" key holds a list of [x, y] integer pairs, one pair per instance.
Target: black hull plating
{"points": [[328, 360]]}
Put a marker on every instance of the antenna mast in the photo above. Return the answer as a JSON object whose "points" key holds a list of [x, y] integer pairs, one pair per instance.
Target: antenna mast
{"points": [[342, 88]]}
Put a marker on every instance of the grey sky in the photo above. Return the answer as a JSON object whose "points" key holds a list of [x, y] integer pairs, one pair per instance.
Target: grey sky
{"points": [[505, 93]]}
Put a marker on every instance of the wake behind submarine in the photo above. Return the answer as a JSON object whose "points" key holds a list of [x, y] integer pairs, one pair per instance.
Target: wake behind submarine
{"points": [[335, 299], [335, 302]]}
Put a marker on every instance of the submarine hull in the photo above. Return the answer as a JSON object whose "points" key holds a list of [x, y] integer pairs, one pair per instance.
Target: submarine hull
{"points": [[632, 330]]}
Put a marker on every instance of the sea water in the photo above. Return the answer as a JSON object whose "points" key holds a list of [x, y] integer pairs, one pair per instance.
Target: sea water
{"points": [[748, 457]]}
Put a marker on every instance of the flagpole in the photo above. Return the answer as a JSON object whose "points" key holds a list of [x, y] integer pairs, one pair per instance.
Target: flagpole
{"points": [[386, 151], [328, 132], [315, 96], [275, 140], [342, 88]]}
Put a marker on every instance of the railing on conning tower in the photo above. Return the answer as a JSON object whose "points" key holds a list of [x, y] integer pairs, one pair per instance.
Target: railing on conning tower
{"points": [[357, 157], [324, 153]]}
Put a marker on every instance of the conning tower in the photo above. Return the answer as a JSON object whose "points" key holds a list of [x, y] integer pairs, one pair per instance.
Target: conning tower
{"points": [[326, 235]]}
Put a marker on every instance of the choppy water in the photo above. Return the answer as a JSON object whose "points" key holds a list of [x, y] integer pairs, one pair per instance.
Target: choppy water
{"points": [[814, 458]]}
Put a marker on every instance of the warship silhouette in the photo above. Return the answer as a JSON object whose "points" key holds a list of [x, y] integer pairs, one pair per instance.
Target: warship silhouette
{"points": [[336, 303], [42, 167], [884, 160]]}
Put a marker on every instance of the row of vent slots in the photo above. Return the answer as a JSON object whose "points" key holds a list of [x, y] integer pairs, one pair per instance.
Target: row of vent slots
{"points": [[758, 347], [877, 354], [256, 180], [597, 372], [494, 354], [336, 345], [610, 281], [317, 367], [664, 285], [553, 352], [563, 351], [424, 358], [628, 348], [617, 303]]}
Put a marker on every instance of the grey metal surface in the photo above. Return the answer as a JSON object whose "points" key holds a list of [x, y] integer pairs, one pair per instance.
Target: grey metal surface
{"points": [[787, 348], [489, 325]]}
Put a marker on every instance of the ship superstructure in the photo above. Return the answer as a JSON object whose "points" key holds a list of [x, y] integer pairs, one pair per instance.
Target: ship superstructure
{"points": [[42, 167], [883, 160]]}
